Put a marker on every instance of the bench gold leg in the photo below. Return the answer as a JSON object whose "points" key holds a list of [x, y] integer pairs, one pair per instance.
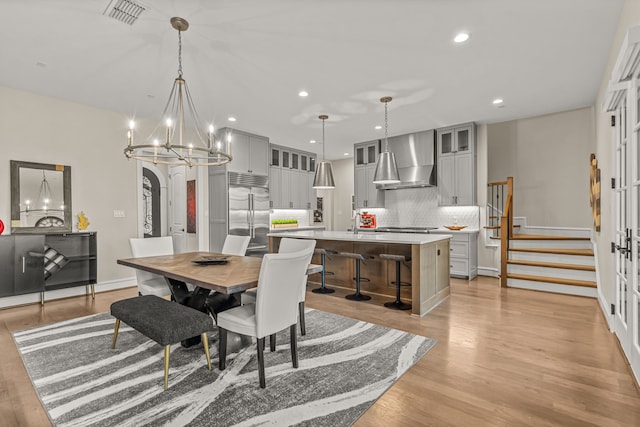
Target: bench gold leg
{"points": [[115, 333], [205, 344], [167, 353]]}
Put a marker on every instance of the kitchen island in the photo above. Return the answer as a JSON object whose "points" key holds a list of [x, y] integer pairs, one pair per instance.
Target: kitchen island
{"points": [[428, 272]]}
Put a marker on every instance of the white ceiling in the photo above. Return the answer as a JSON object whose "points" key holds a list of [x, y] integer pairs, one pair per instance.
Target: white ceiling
{"points": [[250, 58]]}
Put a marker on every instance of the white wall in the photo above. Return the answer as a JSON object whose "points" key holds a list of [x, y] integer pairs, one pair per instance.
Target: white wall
{"points": [[629, 17], [39, 129], [548, 158]]}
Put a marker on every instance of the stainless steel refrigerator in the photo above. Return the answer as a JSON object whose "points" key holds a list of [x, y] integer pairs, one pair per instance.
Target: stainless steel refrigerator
{"points": [[249, 210]]}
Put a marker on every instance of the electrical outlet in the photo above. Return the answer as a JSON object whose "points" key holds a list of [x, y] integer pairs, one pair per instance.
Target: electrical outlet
{"points": [[118, 213]]}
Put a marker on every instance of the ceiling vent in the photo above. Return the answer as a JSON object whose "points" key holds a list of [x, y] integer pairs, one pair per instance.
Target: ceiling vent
{"points": [[125, 11]]}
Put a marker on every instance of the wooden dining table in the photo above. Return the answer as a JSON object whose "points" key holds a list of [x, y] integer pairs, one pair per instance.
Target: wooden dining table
{"points": [[229, 278]]}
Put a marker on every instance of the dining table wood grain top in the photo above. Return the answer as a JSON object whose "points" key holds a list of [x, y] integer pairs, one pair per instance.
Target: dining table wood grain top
{"points": [[238, 274]]}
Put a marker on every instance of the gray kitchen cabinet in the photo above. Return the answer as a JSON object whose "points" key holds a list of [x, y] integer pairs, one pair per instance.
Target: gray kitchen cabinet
{"points": [[463, 253], [44, 262], [366, 193], [250, 152], [275, 187], [290, 186], [457, 165], [366, 153]]}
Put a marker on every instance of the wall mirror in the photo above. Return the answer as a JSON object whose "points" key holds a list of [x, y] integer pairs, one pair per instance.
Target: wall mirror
{"points": [[40, 198]]}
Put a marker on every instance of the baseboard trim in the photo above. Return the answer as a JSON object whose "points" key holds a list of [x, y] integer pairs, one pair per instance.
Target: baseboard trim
{"points": [[488, 271], [32, 298]]}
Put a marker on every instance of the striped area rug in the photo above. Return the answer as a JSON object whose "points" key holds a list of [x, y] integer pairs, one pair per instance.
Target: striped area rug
{"points": [[345, 365]]}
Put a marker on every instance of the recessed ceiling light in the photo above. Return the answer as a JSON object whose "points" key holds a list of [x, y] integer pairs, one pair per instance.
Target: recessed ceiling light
{"points": [[378, 127], [460, 38], [313, 141], [498, 101], [303, 93], [347, 154], [232, 119]]}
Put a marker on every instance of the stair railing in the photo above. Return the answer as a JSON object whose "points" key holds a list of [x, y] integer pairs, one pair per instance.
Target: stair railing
{"points": [[501, 208]]}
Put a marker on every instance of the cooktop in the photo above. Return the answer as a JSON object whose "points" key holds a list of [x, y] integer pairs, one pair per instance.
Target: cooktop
{"points": [[423, 230]]}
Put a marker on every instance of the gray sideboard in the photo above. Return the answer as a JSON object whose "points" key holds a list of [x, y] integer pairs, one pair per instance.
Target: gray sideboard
{"points": [[32, 263]]}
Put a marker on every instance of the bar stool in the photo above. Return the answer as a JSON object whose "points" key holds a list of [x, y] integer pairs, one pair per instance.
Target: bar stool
{"points": [[323, 253], [397, 304], [358, 257]]}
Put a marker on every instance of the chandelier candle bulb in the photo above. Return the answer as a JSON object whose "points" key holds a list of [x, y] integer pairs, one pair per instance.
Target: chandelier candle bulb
{"points": [[130, 132]]}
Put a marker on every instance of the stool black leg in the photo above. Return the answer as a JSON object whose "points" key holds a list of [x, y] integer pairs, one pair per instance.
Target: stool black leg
{"points": [[358, 296], [397, 304], [323, 289]]}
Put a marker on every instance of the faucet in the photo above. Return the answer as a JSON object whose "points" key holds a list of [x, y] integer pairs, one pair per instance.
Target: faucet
{"points": [[357, 218]]}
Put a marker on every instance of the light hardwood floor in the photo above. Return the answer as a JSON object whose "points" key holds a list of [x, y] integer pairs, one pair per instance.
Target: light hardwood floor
{"points": [[504, 357]]}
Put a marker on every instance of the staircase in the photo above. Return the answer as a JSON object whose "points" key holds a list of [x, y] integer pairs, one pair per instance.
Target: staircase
{"points": [[552, 260], [549, 259]]}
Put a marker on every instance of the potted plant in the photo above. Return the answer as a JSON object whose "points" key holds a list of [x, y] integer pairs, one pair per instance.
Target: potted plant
{"points": [[284, 223]]}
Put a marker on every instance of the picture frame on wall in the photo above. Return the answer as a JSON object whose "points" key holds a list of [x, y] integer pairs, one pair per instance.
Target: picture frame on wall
{"points": [[191, 206]]}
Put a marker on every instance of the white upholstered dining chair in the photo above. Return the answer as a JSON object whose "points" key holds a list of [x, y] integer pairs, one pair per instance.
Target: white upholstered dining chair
{"points": [[275, 308], [288, 245], [216, 301], [235, 245], [149, 283]]}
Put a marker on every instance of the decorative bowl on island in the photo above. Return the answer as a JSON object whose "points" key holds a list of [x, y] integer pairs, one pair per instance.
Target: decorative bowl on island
{"points": [[455, 227]]}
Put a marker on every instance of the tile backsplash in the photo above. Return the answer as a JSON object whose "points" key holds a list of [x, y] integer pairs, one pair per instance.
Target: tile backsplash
{"points": [[418, 207]]}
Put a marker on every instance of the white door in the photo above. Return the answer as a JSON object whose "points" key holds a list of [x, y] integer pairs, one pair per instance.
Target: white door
{"points": [[627, 226], [622, 256], [178, 207], [623, 97], [633, 291]]}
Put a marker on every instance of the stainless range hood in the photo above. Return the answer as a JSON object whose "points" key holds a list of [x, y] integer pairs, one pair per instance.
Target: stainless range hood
{"points": [[415, 156]]}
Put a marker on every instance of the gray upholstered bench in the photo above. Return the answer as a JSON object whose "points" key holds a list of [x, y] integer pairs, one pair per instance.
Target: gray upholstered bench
{"points": [[163, 321]]}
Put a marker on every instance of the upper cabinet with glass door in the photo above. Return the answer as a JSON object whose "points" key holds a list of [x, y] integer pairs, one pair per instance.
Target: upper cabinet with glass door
{"points": [[457, 139], [457, 165], [366, 153]]}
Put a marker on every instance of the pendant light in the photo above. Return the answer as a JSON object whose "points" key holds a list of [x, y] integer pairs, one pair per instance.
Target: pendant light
{"points": [[386, 169], [324, 175]]}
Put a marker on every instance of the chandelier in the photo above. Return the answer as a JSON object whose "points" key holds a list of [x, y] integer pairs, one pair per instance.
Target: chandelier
{"points": [[178, 139], [386, 169], [45, 202], [323, 178]]}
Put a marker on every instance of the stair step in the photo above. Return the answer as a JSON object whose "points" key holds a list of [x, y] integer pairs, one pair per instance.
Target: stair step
{"points": [[571, 282], [552, 265], [586, 252], [545, 237]]}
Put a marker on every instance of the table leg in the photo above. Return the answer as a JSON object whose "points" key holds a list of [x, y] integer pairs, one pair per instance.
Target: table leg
{"points": [[195, 299]]}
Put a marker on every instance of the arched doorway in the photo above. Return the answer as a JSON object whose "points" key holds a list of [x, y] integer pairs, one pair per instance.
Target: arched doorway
{"points": [[151, 213], [152, 201]]}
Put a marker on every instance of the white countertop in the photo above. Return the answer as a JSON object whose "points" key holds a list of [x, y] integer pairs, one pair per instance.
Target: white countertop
{"points": [[365, 237], [464, 230]]}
